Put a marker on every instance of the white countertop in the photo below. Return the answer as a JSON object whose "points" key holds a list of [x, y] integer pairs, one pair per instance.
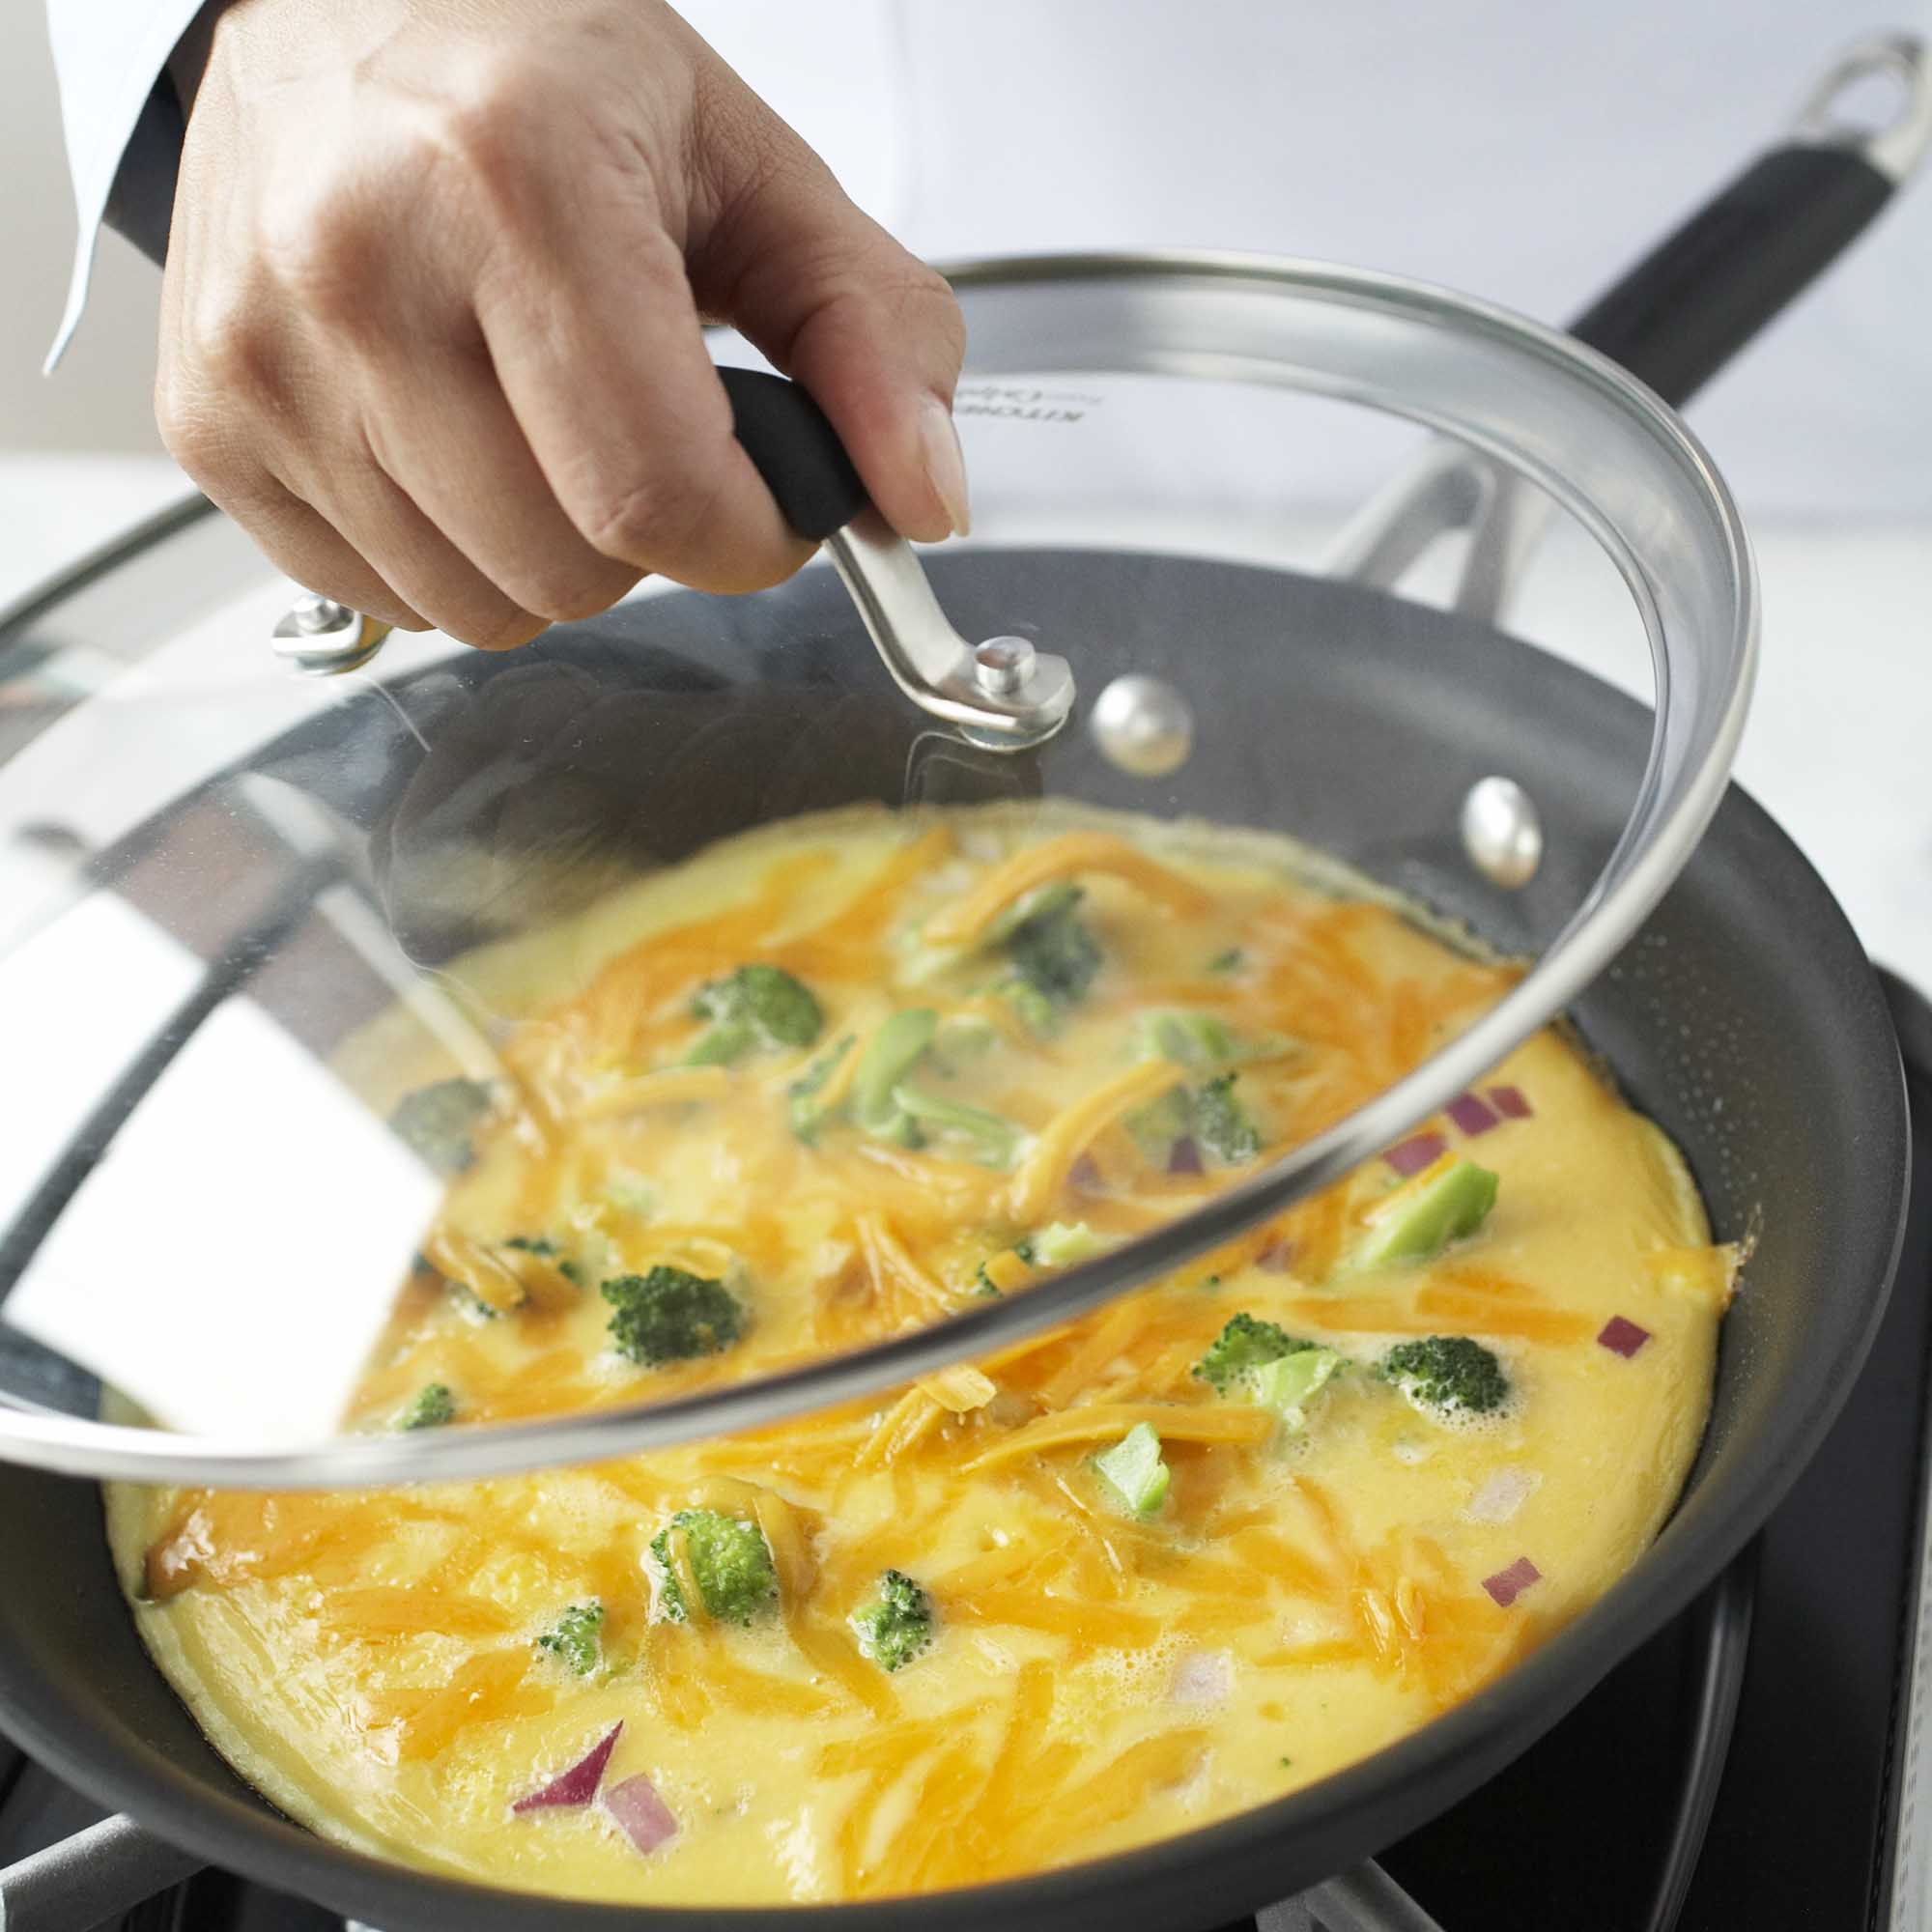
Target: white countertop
{"points": [[1838, 748]]}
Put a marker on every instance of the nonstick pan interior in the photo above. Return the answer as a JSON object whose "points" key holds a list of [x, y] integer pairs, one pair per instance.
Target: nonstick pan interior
{"points": [[1745, 1020]]}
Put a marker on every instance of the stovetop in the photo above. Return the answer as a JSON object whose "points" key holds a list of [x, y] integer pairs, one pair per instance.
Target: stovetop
{"points": [[1755, 1766]]}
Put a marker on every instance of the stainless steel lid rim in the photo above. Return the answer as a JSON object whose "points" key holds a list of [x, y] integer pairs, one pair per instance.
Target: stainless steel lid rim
{"points": [[1606, 448]]}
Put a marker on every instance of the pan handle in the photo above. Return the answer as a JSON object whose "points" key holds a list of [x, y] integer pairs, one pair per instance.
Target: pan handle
{"points": [[96, 1874], [1707, 289], [1001, 694], [796, 450], [1682, 312]]}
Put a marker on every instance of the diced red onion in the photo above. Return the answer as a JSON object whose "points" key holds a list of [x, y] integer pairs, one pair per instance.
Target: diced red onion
{"points": [[1622, 1337], [1419, 1151], [1183, 1156], [1083, 1178], [1472, 1115], [579, 1784], [1278, 1257], [1507, 1586], [1510, 1103], [1502, 1495], [1202, 1677], [640, 1813]]}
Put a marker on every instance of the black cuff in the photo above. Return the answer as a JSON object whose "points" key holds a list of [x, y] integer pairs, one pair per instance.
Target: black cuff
{"points": [[140, 205]]}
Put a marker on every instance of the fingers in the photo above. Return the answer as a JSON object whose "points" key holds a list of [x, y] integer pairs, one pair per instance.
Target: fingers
{"points": [[407, 548], [302, 544], [277, 407], [832, 300], [327, 515], [595, 339], [442, 432]]}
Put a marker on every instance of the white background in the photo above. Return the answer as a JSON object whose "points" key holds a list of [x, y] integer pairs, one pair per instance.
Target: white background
{"points": [[1520, 149]]}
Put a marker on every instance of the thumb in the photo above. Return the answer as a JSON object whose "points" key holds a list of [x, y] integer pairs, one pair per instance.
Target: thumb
{"points": [[830, 298]]}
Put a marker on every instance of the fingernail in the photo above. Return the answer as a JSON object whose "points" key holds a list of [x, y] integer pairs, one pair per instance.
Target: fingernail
{"points": [[944, 466]]}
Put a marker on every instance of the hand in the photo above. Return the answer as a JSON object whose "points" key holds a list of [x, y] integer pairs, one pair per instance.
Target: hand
{"points": [[431, 317]]}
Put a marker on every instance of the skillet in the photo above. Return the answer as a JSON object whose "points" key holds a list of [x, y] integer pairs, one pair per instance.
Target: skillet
{"points": [[1745, 1018]]}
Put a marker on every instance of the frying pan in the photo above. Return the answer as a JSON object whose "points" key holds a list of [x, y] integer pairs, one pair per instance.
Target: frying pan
{"points": [[1744, 1019]]}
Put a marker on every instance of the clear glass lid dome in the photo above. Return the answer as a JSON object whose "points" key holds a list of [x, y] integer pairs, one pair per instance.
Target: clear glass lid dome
{"points": [[280, 953]]}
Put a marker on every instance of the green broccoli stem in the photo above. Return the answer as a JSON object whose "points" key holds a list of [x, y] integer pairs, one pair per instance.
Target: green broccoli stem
{"points": [[807, 1112], [1419, 1220], [996, 1138], [890, 1056], [1132, 1473], [722, 1043]]}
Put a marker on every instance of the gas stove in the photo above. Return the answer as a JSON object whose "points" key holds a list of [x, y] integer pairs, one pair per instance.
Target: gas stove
{"points": [[1757, 1765]]}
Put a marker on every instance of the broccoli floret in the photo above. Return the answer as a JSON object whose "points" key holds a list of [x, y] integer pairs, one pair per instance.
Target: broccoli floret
{"points": [[731, 1563], [430, 1407], [808, 1113], [437, 1122], [1447, 1374], [755, 1007], [1051, 949], [1419, 1220], [1132, 1473], [1222, 1126], [1211, 1117], [897, 1625], [672, 1315], [576, 1638], [1246, 1343]]}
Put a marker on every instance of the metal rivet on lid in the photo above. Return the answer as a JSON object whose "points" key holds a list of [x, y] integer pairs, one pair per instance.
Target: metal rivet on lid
{"points": [[1502, 831], [322, 637], [1002, 664], [312, 614], [1142, 726]]}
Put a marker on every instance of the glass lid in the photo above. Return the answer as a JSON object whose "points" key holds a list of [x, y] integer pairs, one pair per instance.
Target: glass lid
{"points": [[423, 1063]]}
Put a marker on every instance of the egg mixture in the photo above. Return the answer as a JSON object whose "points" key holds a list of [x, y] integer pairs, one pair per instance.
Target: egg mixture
{"points": [[833, 1080]]}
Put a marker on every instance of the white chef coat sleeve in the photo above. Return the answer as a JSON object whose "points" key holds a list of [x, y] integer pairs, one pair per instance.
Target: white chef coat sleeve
{"points": [[122, 124]]}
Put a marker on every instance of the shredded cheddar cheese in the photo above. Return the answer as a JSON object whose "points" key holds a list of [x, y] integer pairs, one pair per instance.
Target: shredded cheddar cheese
{"points": [[1036, 866]]}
